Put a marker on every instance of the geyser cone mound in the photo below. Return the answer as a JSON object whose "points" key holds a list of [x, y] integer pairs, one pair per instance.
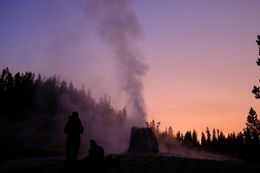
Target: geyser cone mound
{"points": [[143, 141]]}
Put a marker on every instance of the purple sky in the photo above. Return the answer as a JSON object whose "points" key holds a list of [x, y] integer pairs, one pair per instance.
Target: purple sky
{"points": [[201, 55]]}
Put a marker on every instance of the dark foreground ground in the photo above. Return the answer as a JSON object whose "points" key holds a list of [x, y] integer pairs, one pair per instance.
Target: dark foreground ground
{"points": [[134, 164]]}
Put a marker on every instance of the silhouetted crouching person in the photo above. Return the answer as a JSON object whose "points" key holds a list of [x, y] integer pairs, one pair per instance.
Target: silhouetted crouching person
{"points": [[94, 162], [73, 129]]}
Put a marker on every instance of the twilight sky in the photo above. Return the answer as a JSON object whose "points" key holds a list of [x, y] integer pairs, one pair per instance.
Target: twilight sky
{"points": [[201, 55]]}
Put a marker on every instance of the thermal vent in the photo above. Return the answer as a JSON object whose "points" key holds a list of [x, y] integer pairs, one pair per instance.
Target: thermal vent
{"points": [[143, 141]]}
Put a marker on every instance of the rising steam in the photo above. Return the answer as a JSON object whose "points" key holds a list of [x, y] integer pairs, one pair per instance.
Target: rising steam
{"points": [[120, 29]]}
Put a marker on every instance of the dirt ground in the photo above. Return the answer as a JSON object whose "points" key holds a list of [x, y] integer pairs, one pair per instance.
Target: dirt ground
{"points": [[136, 164], [156, 164]]}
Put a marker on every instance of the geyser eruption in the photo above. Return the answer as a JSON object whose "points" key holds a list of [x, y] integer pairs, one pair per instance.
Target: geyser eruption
{"points": [[120, 29]]}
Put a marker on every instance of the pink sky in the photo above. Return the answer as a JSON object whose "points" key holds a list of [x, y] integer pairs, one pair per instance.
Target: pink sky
{"points": [[202, 63]]}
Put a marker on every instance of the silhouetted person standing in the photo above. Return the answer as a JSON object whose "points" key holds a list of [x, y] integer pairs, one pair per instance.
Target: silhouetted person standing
{"points": [[73, 129]]}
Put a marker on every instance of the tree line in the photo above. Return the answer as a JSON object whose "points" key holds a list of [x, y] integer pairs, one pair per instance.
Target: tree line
{"points": [[244, 144], [34, 110], [23, 94]]}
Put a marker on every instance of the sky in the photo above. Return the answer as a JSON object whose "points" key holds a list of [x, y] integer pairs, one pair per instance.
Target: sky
{"points": [[201, 55]]}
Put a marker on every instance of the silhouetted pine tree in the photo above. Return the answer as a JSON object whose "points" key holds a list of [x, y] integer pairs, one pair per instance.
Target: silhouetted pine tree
{"points": [[170, 131], [179, 136], [221, 141], [203, 140], [195, 138], [214, 138], [252, 135], [252, 123], [256, 89], [188, 139]]}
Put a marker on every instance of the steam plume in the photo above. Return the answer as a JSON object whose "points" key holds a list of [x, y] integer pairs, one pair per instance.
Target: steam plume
{"points": [[120, 29]]}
